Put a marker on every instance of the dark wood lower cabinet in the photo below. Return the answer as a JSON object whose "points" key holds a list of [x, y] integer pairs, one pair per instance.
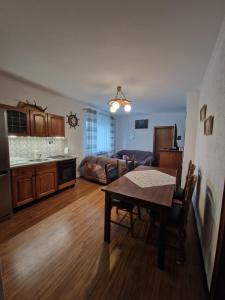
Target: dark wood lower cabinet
{"points": [[33, 182], [46, 179], [23, 185]]}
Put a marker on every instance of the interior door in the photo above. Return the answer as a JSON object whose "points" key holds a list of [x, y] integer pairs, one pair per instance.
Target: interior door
{"points": [[163, 138]]}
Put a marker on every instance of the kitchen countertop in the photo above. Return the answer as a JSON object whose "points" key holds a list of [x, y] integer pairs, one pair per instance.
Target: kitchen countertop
{"points": [[32, 162]]}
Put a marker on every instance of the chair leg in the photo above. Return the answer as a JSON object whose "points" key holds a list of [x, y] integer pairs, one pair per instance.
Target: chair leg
{"points": [[151, 224], [182, 251], [139, 212], [131, 223], [117, 210]]}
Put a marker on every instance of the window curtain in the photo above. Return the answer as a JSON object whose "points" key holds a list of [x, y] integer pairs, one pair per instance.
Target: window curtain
{"points": [[90, 132], [99, 133]]}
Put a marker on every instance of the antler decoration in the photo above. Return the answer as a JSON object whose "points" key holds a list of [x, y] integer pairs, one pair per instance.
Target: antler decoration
{"points": [[28, 105]]}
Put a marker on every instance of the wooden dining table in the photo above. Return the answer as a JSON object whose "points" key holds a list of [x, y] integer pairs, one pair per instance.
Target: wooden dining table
{"points": [[158, 198]]}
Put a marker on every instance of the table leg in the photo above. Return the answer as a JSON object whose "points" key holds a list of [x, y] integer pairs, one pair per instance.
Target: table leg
{"points": [[162, 236], [107, 226]]}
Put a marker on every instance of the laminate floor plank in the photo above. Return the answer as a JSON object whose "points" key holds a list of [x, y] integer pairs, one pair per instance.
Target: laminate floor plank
{"points": [[54, 249]]}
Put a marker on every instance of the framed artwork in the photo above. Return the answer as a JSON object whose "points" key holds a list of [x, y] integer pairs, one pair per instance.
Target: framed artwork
{"points": [[141, 124], [203, 113], [208, 125]]}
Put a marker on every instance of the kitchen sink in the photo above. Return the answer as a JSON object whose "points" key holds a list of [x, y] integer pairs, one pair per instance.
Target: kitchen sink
{"points": [[38, 159], [58, 156]]}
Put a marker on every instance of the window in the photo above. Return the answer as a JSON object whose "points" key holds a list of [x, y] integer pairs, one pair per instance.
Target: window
{"points": [[99, 133]]}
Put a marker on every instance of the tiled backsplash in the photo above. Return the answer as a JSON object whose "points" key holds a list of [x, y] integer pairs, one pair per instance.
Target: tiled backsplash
{"points": [[25, 147]]}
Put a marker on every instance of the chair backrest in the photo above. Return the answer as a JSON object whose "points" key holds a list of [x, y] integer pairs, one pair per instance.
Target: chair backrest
{"points": [[190, 172], [130, 164], [188, 200], [108, 179]]}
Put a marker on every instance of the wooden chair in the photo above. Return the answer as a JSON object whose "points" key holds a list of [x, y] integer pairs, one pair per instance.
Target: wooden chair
{"points": [[122, 205], [177, 219], [180, 193], [110, 176], [127, 207], [130, 164]]}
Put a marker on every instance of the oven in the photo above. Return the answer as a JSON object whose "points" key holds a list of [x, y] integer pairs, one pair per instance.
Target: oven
{"points": [[66, 171]]}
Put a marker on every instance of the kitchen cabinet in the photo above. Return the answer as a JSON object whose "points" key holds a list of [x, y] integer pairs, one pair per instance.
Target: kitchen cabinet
{"points": [[46, 179], [56, 126], [18, 120], [28, 122], [38, 123], [23, 185], [36, 181]]}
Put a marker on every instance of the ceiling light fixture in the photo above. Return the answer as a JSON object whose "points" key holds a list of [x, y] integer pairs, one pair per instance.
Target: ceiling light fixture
{"points": [[119, 100]]}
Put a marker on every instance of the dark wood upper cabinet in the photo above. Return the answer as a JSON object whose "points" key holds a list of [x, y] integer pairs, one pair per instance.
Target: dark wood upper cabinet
{"points": [[18, 120], [28, 122], [56, 125], [38, 123]]}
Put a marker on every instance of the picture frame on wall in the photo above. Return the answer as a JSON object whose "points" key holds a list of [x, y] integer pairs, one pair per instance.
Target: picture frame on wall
{"points": [[141, 124], [208, 125], [203, 112]]}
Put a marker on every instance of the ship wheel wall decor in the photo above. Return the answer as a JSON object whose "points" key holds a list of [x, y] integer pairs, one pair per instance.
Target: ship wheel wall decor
{"points": [[72, 120]]}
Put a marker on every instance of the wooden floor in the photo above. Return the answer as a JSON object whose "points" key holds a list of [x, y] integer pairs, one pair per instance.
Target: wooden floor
{"points": [[54, 249]]}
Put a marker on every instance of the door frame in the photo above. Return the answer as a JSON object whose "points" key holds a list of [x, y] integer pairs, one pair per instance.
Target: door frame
{"points": [[215, 285], [154, 135]]}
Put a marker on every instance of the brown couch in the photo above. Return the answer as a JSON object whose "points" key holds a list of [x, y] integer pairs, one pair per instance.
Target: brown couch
{"points": [[103, 169]]}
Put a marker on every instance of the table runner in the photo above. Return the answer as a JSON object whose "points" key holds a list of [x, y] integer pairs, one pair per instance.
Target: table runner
{"points": [[149, 178]]}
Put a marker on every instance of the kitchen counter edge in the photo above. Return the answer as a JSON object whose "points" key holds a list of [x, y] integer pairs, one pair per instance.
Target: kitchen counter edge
{"points": [[49, 160]]}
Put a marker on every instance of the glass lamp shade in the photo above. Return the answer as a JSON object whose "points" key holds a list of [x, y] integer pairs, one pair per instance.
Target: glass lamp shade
{"points": [[127, 108], [112, 109], [116, 105]]}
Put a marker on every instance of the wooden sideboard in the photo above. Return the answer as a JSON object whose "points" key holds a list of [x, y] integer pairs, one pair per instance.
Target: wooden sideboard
{"points": [[172, 159]]}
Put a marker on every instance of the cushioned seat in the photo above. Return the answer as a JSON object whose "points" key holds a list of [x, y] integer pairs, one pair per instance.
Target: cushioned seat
{"points": [[174, 215], [112, 174], [122, 204], [179, 193]]}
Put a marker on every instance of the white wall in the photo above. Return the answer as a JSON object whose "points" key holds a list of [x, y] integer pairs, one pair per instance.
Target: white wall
{"points": [[13, 90], [143, 138], [192, 119], [210, 155]]}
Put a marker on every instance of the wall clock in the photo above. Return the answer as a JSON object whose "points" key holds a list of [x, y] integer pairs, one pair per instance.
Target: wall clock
{"points": [[72, 120]]}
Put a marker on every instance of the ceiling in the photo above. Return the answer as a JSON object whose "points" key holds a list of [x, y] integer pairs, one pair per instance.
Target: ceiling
{"points": [[157, 50]]}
